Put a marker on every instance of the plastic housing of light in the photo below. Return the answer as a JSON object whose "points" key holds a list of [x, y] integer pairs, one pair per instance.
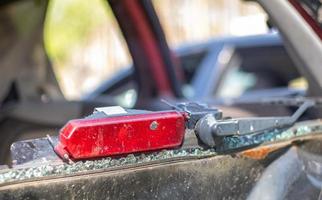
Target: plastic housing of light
{"points": [[111, 136]]}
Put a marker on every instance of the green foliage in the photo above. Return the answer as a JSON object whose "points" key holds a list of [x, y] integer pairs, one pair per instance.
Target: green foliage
{"points": [[69, 23]]}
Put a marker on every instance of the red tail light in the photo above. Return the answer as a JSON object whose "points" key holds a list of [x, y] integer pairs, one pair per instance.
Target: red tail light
{"points": [[108, 136]]}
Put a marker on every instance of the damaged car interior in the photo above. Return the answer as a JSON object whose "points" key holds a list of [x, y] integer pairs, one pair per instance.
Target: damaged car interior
{"points": [[234, 117]]}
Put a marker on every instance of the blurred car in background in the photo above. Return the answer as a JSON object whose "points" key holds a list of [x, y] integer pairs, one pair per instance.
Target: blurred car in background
{"points": [[255, 65]]}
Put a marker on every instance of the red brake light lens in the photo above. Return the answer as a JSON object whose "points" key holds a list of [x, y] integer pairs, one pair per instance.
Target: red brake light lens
{"points": [[91, 138]]}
